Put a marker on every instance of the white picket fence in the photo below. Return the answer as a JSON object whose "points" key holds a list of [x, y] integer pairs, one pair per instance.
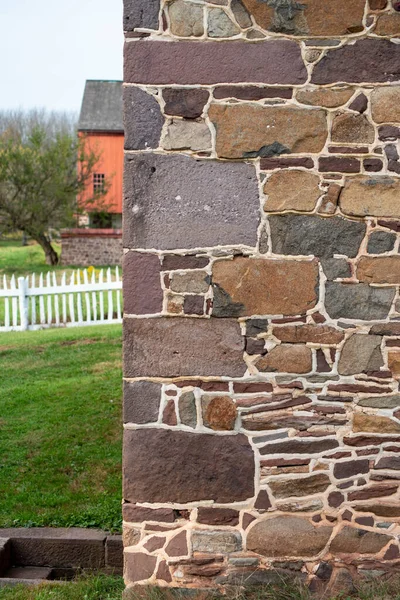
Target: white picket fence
{"points": [[73, 300]]}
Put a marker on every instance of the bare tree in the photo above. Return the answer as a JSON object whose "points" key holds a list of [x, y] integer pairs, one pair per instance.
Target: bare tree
{"points": [[44, 169]]}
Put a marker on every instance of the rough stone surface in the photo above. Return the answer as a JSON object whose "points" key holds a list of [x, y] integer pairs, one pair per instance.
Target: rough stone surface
{"points": [[369, 61], [219, 413], [217, 516], [176, 466], [359, 104], [178, 545], [313, 18], [164, 195], [361, 353], [141, 401], [315, 334], [142, 13], [186, 19], [143, 120], [189, 63], [350, 540], [183, 346], [307, 486], [335, 268], [358, 301], [328, 98], [287, 358], [142, 284], [388, 25], [349, 129], [262, 287], [294, 447], [385, 102], [345, 470], [220, 25], [246, 130], [291, 190], [187, 103], [374, 424], [187, 135], [187, 409], [312, 235], [139, 566], [380, 242], [380, 401], [191, 282], [379, 270], [270, 538], [224, 542]]}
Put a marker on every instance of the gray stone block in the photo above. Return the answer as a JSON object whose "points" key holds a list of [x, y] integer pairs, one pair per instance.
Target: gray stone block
{"points": [[321, 237], [115, 554], [141, 401], [380, 242], [143, 120], [141, 13], [177, 202], [358, 301]]}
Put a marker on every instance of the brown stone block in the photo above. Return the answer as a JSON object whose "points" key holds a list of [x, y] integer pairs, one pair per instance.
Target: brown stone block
{"points": [[192, 63], [348, 128], [175, 262], [268, 164], [270, 537], [142, 284], [313, 18], [248, 130], [295, 447], [141, 401], [251, 92], [368, 60], [176, 466], [351, 540], [219, 413], [287, 358], [187, 103], [315, 334], [141, 13], [305, 486], [173, 347], [58, 547], [328, 98], [217, 516], [115, 553], [388, 25], [375, 491], [139, 566], [385, 269], [328, 164], [264, 287], [385, 102], [374, 424], [292, 190], [138, 514]]}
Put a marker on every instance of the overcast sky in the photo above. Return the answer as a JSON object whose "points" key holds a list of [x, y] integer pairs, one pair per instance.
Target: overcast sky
{"points": [[48, 48]]}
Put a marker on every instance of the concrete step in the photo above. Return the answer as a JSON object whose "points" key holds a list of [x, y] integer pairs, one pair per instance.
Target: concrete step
{"points": [[5, 555], [29, 573]]}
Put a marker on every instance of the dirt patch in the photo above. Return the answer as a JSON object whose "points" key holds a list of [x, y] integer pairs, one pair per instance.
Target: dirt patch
{"points": [[84, 342]]}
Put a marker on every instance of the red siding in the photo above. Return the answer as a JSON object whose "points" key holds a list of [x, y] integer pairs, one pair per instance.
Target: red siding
{"points": [[111, 148]]}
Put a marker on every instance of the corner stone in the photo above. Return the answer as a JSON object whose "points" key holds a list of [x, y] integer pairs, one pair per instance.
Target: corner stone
{"points": [[180, 467], [165, 195], [174, 347]]}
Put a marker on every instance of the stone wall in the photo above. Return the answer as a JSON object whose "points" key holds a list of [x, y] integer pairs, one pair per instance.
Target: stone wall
{"points": [[86, 247], [262, 273]]}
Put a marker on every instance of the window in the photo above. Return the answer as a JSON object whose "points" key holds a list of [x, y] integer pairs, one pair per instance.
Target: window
{"points": [[98, 182]]}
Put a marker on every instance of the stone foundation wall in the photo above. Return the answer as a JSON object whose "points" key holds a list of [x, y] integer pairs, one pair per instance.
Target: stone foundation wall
{"points": [[262, 274], [86, 247]]}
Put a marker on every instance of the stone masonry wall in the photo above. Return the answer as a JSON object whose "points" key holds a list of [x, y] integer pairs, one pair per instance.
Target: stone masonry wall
{"points": [[86, 247], [262, 274]]}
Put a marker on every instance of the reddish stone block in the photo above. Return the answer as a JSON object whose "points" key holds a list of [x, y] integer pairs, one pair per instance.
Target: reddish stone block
{"points": [[341, 165], [143, 294]]}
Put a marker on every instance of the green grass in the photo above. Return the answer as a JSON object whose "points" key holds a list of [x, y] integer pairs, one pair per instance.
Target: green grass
{"points": [[98, 587], [60, 428], [23, 260], [110, 588]]}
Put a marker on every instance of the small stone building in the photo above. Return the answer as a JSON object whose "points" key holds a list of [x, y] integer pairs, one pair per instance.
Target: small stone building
{"points": [[261, 292], [99, 241]]}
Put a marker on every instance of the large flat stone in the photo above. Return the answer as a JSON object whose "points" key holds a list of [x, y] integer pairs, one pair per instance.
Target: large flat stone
{"points": [[311, 235], [187, 63], [385, 269], [248, 130], [350, 540], [385, 104], [251, 286], [166, 195], [173, 347], [312, 18], [366, 61], [292, 190], [142, 283], [58, 547], [358, 301], [360, 353], [143, 120], [371, 196], [141, 13], [180, 467], [287, 536]]}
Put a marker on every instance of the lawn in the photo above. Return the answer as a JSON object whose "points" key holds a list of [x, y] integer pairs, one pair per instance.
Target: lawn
{"points": [[97, 587], [23, 260], [60, 428]]}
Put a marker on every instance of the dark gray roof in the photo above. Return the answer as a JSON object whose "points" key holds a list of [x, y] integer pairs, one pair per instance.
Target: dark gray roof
{"points": [[101, 106]]}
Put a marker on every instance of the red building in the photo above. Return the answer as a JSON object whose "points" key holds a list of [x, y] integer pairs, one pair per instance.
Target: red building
{"points": [[100, 122], [99, 240]]}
